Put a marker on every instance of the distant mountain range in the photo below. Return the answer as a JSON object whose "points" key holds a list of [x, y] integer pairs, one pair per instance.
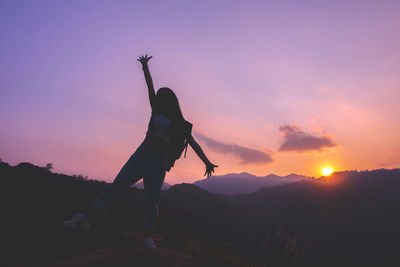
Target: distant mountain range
{"points": [[245, 183], [239, 183]]}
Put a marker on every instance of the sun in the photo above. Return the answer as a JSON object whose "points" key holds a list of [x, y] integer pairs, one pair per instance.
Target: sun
{"points": [[327, 171]]}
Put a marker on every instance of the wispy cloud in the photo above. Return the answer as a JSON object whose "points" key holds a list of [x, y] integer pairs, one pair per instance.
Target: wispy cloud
{"points": [[247, 155], [298, 141]]}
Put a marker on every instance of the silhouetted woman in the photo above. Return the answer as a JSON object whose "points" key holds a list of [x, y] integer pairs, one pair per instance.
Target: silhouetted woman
{"points": [[167, 135]]}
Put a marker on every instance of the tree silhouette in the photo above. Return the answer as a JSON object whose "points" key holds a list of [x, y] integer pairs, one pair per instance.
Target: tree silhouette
{"points": [[49, 166]]}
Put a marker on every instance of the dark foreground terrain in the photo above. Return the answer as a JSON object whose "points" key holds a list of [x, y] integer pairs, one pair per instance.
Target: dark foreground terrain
{"points": [[349, 219]]}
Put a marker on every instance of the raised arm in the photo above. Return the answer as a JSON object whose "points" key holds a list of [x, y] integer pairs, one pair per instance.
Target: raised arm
{"points": [[196, 147], [149, 81]]}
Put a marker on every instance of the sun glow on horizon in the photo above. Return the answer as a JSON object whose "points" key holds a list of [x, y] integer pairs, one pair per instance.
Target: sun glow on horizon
{"points": [[327, 171]]}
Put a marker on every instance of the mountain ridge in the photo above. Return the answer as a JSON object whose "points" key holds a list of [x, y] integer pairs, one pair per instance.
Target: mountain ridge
{"points": [[245, 183], [350, 216]]}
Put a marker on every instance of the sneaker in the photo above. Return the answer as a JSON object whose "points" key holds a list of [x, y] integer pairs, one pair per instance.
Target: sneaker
{"points": [[148, 242], [79, 221]]}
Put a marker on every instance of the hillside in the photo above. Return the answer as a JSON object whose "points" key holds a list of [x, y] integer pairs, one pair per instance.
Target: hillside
{"points": [[349, 218]]}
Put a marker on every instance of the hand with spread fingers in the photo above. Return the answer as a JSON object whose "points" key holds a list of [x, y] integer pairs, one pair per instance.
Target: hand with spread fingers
{"points": [[209, 168], [144, 60]]}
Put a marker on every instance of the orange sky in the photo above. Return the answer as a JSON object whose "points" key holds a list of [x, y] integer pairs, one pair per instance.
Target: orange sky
{"points": [[307, 86]]}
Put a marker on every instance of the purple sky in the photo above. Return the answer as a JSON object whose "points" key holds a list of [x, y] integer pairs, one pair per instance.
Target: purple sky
{"points": [[72, 92]]}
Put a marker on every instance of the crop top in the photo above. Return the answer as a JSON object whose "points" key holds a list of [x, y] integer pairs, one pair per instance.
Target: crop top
{"points": [[162, 128]]}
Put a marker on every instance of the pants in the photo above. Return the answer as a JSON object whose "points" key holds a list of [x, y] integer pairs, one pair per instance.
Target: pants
{"points": [[147, 162]]}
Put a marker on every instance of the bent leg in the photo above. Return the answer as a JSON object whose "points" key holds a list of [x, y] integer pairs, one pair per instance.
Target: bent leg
{"points": [[129, 174]]}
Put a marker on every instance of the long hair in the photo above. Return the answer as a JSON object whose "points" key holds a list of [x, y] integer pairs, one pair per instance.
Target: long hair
{"points": [[171, 110]]}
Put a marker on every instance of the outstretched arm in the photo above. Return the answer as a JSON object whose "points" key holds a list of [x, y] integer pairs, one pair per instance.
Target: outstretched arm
{"points": [[149, 81], [196, 147]]}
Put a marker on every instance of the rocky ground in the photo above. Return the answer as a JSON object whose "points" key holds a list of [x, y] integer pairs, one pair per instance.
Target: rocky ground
{"points": [[174, 248]]}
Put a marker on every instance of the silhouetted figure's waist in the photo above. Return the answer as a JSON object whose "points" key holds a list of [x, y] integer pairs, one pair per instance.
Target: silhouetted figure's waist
{"points": [[155, 141]]}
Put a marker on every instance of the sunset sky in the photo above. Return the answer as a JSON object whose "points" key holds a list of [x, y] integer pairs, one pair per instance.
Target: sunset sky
{"points": [[270, 86]]}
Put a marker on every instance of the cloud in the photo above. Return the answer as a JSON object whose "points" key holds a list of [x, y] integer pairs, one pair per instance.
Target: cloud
{"points": [[247, 155], [297, 140]]}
